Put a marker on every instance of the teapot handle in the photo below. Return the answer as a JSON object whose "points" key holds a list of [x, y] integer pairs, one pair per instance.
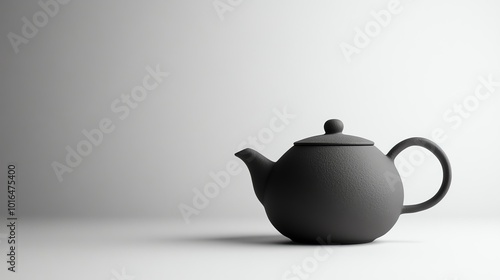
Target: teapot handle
{"points": [[445, 164]]}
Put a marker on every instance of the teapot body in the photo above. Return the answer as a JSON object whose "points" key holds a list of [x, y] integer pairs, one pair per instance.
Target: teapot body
{"points": [[337, 188], [333, 194]]}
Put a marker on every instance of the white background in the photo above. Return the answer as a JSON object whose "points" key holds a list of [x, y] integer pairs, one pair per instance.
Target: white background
{"points": [[228, 75]]}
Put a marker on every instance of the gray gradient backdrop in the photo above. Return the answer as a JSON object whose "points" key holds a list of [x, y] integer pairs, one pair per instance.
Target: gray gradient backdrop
{"points": [[228, 76]]}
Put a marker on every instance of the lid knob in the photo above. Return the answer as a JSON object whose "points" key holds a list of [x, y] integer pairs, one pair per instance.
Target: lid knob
{"points": [[333, 126]]}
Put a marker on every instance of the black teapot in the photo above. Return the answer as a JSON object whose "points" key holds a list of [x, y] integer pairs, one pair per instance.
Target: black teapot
{"points": [[336, 187]]}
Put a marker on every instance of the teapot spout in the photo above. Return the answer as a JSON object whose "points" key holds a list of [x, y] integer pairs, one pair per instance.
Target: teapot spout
{"points": [[260, 167]]}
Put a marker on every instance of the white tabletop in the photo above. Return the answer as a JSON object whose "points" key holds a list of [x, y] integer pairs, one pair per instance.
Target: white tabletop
{"points": [[251, 249]]}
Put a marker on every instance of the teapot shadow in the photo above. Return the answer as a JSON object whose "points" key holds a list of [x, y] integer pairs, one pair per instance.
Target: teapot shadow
{"points": [[279, 240], [251, 240]]}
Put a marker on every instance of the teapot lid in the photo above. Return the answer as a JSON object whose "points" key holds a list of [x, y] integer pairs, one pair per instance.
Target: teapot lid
{"points": [[334, 137]]}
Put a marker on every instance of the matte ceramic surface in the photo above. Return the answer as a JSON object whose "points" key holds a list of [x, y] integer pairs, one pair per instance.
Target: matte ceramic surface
{"points": [[336, 188]]}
